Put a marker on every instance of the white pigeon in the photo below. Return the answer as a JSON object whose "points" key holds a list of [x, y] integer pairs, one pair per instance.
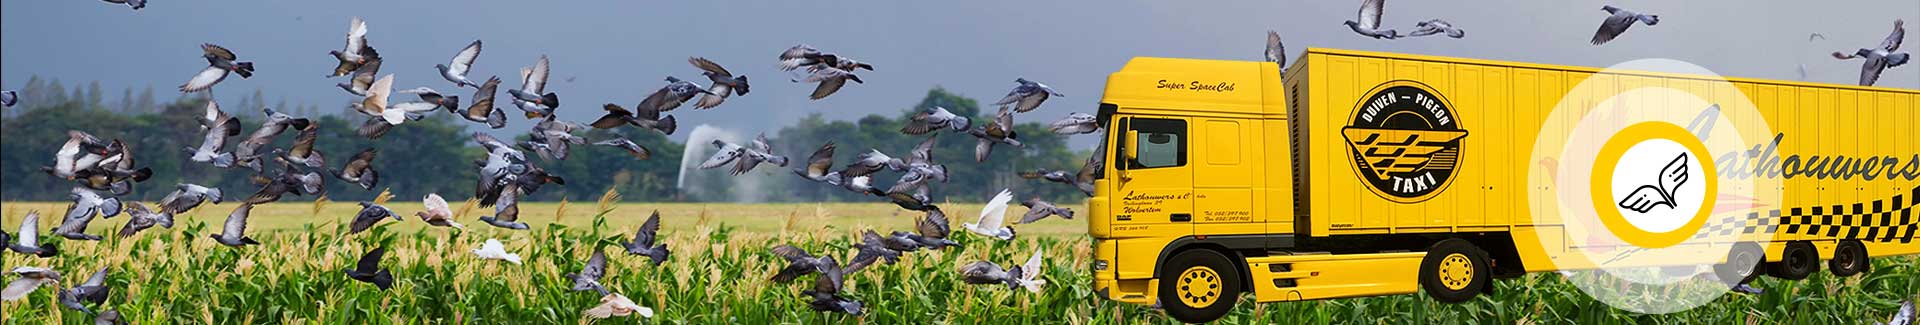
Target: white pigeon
{"points": [[993, 217], [614, 304], [1030, 272], [492, 250]]}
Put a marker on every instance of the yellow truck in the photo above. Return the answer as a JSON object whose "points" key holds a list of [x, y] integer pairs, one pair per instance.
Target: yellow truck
{"points": [[1360, 173]]}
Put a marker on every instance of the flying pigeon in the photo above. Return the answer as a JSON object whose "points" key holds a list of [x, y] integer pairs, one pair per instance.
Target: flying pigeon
{"points": [[724, 83], [1024, 275], [1880, 58], [493, 250], [1075, 123], [28, 240], [1027, 95], [1617, 22], [220, 62], [1369, 21], [116, 172], [187, 196], [94, 290], [109, 317], [359, 170], [799, 263], [805, 56], [506, 211], [590, 274], [234, 232], [247, 153], [906, 200], [614, 304], [934, 119], [997, 131], [1276, 52], [436, 212], [140, 218], [456, 70], [992, 221], [85, 205], [1437, 27], [1060, 176], [302, 153], [646, 243], [532, 97], [220, 129], [1041, 209], [552, 138], [669, 97], [362, 75], [638, 152], [290, 181], [356, 52], [31, 278], [82, 151], [450, 103], [819, 166], [643, 118], [873, 247], [376, 105], [830, 80], [930, 231], [482, 110], [744, 159], [136, 4], [826, 291], [369, 215], [368, 270]]}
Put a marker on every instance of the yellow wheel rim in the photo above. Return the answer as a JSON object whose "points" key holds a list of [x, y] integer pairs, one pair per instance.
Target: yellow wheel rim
{"points": [[1198, 287], [1456, 271]]}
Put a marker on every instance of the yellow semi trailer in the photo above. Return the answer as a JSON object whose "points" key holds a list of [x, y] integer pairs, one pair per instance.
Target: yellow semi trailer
{"points": [[1362, 173]]}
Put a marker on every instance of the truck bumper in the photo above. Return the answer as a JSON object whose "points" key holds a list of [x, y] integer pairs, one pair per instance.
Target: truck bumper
{"points": [[1139, 292]]}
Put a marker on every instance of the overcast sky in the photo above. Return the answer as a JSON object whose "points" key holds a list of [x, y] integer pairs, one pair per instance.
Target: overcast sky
{"points": [[619, 51]]}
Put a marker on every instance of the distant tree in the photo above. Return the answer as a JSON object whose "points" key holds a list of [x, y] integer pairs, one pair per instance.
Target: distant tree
{"points": [[94, 95], [145, 103]]}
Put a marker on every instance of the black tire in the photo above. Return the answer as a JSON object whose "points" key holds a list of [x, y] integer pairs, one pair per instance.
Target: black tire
{"points": [[1225, 279], [1453, 287], [1744, 263], [1849, 259], [1798, 261]]}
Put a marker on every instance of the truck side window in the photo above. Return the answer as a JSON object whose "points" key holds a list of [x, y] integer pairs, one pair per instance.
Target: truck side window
{"points": [[1163, 143]]}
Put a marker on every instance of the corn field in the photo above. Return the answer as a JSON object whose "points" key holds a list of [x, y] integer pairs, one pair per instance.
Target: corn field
{"points": [[718, 274]]}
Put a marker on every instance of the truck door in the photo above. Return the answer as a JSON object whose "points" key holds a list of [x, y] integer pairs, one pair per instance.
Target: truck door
{"points": [[1155, 192]]}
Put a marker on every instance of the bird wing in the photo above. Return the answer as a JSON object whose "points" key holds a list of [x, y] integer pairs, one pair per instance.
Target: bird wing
{"points": [[760, 144], [922, 153], [1031, 270], [983, 272], [791, 253], [508, 207], [303, 143], [19, 288], [727, 154], [436, 205], [237, 221], [99, 278], [1276, 52], [78, 215], [376, 101], [535, 81], [363, 77], [745, 163], [1370, 11], [29, 230], [463, 61], [1031, 102], [830, 279], [795, 56], [360, 162], [356, 36], [1893, 40], [1611, 28], [659, 101], [719, 93], [994, 214], [827, 87], [821, 161], [649, 229], [1870, 70], [483, 99], [218, 52], [933, 225], [1036, 210], [596, 265], [709, 66], [204, 80], [371, 261]]}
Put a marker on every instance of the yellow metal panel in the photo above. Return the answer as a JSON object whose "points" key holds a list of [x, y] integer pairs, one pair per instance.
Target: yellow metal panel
{"points": [[1539, 246], [1335, 276], [1472, 103]]}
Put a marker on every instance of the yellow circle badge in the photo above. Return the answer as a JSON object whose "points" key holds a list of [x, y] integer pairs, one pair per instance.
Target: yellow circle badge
{"points": [[1653, 184]]}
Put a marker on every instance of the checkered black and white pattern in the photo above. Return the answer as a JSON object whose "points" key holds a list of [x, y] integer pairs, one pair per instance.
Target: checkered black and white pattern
{"points": [[1896, 219]]}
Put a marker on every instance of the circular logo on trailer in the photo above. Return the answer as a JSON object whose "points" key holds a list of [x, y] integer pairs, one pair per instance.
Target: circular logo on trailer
{"points": [[1405, 141], [1651, 182]]}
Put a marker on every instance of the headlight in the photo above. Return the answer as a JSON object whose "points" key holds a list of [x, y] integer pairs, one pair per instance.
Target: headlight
{"points": [[1100, 265]]}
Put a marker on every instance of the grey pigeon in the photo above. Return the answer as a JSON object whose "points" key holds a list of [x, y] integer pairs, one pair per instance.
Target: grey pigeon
{"points": [[8, 98], [1075, 123], [359, 170], [289, 181], [899, 241], [1059, 176], [799, 263], [1276, 51], [109, 317], [1027, 95], [743, 159], [506, 211], [28, 240], [642, 117], [871, 162], [590, 274], [220, 62], [86, 204], [187, 196], [1041, 209], [1618, 21], [646, 243], [456, 70], [233, 232], [302, 153], [830, 80], [482, 110], [819, 166], [355, 53], [1437, 27], [670, 96], [906, 200], [135, 4], [31, 278], [555, 137], [1025, 275], [826, 292], [933, 119], [930, 231], [996, 132], [451, 103], [1368, 23], [369, 215], [220, 129], [638, 152], [140, 218], [805, 56], [362, 76], [724, 83], [532, 97], [872, 248], [368, 270], [94, 291], [1882, 57], [247, 153]]}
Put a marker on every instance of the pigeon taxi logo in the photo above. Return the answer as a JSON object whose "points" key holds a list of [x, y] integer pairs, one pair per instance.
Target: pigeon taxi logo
{"points": [[1405, 141], [1655, 182]]}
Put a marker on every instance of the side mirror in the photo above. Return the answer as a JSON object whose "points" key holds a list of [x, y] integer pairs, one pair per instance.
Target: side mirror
{"points": [[1133, 145]]}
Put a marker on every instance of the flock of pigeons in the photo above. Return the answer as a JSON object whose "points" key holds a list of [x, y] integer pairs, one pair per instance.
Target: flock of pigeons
{"points": [[506, 174]]}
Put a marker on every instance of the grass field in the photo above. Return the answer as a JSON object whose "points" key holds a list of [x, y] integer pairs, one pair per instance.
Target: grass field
{"points": [[719, 269]]}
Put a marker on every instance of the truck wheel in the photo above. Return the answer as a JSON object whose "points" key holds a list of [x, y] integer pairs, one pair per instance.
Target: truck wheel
{"points": [[1849, 259], [1198, 286], [1796, 262], [1454, 271], [1743, 264]]}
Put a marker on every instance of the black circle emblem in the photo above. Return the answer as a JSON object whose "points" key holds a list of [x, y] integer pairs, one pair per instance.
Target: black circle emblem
{"points": [[1405, 141]]}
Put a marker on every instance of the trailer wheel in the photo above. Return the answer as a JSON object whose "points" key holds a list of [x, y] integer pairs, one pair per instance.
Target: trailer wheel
{"points": [[1743, 264], [1454, 271], [1796, 262], [1849, 259], [1198, 286]]}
